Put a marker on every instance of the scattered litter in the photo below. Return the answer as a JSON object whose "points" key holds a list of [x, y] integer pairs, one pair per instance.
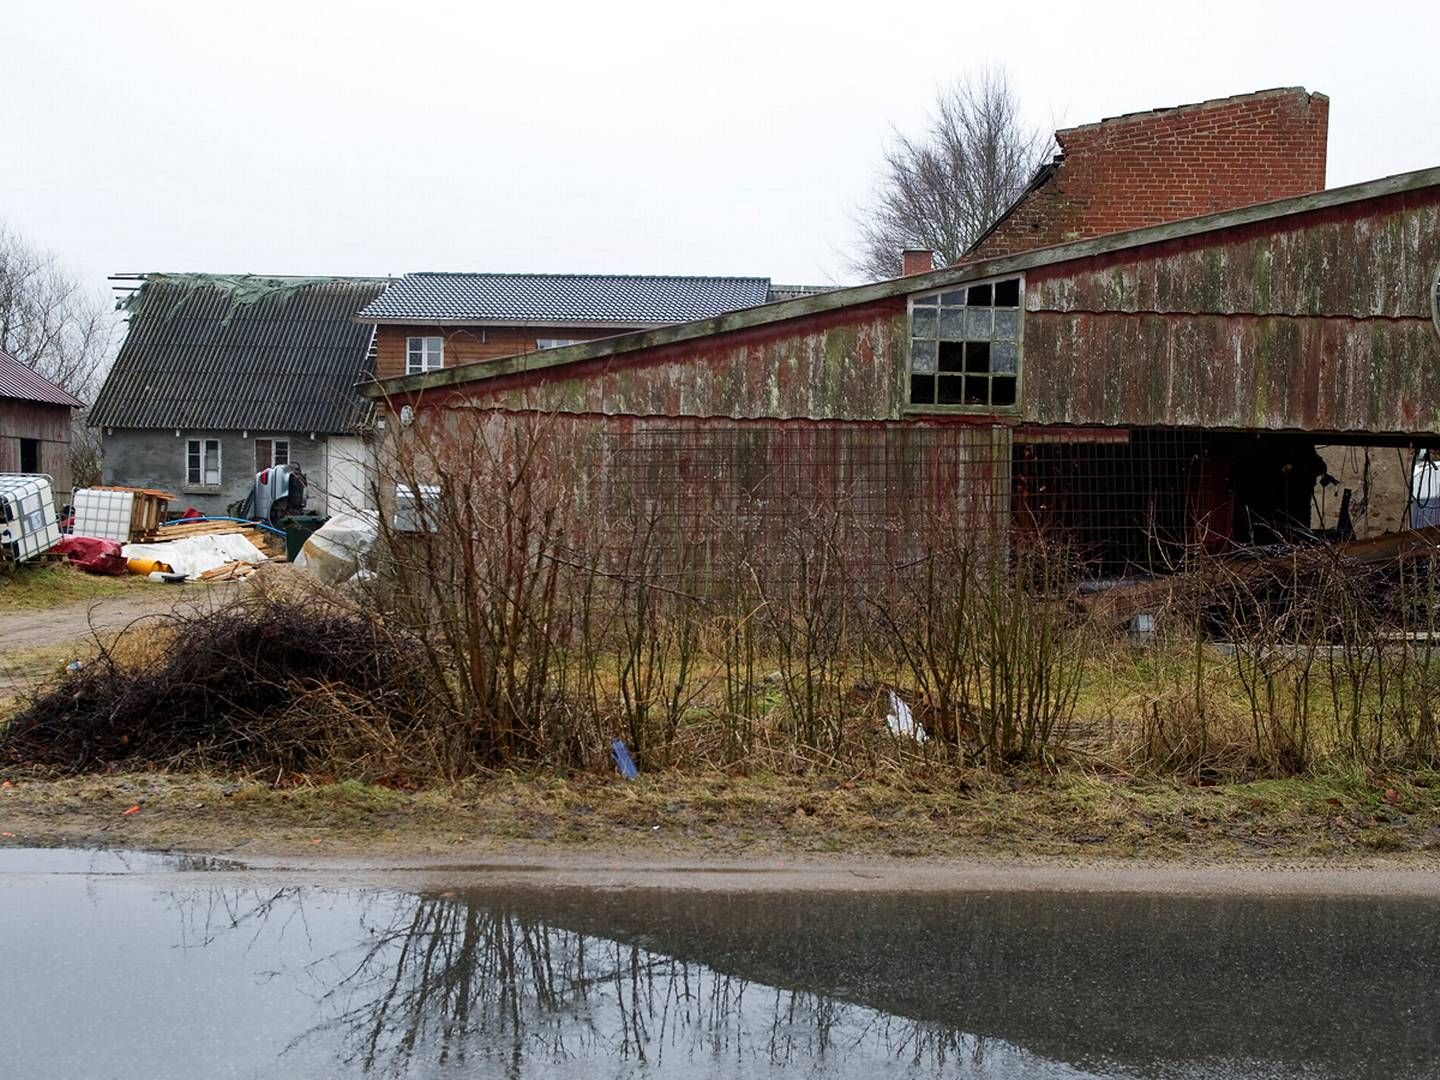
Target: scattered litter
{"points": [[7, 784], [132, 810], [74, 665], [902, 720], [623, 761], [8, 835], [93, 555], [315, 841]]}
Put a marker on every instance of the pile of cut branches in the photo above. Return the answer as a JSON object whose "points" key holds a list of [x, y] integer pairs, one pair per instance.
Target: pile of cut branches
{"points": [[260, 685]]}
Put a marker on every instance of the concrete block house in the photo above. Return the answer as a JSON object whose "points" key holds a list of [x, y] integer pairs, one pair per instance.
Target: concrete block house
{"points": [[35, 423], [1128, 390], [221, 376]]}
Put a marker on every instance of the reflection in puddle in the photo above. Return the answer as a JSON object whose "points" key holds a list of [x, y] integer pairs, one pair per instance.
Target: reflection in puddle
{"points": [[306, 981], [106, 861]]}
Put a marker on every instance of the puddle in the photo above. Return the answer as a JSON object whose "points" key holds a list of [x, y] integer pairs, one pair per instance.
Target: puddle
{"points": [[109, 977]]}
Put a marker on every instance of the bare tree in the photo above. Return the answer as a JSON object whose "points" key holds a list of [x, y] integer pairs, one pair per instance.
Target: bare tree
{"points": [[943, 189], [49, 320]]}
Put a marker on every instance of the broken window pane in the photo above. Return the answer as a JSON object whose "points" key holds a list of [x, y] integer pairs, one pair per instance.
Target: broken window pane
{"points": [[1007, 293], [977, 357], [965, 346], [952, 356]]}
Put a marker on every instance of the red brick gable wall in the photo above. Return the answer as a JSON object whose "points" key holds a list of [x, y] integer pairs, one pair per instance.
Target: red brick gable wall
{"points": [[1150, 168]]}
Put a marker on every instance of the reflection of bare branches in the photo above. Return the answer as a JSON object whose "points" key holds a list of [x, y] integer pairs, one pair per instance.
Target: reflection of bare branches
{"points": [[439, 980]]}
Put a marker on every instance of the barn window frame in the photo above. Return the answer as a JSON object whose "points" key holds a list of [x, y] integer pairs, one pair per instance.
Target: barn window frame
{"points": [[956, 364]]}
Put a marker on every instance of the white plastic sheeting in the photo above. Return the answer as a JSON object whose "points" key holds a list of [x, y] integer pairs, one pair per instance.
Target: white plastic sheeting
{"points": [[902, 720], [193, 555], [336, 551]]}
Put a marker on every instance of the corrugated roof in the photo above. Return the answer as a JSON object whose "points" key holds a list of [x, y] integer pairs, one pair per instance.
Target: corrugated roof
{"points": [[241, 353], [21, 381], [594, 299]]}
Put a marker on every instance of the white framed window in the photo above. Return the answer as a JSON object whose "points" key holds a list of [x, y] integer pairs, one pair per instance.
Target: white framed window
{"points": [[424, 354], [271, 452], [965, 347], [202, 463], [555, 342]]}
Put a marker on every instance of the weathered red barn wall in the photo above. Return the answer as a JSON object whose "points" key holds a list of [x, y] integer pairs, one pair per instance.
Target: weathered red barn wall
{"points": [[843, 365], [1317, 323], [1148, 168], [716, 486]]}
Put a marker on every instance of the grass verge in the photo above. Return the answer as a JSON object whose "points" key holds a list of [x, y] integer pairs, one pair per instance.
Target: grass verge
{"points": [[722, 816]]}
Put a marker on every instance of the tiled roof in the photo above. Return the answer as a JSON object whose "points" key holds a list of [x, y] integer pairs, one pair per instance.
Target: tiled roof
{"points": [[591, 299], [21, 381], [241, 353]]}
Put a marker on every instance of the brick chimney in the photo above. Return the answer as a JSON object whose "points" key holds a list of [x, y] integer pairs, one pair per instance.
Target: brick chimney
{"points": [[917, 261], [1152, 167]]}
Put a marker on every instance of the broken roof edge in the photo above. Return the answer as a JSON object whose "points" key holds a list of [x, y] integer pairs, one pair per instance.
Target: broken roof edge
{"points": [[1190, 106], [854, 296]]}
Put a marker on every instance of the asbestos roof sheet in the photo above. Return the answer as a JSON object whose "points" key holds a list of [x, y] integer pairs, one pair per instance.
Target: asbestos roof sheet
{"points": [[629, 300], [24, 383], [241, 353]]}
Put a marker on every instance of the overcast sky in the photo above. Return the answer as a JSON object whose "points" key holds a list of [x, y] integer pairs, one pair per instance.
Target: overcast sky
{"points": [[722, 138]]}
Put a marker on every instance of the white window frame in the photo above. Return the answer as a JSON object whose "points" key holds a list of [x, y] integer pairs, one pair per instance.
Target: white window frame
{"points": [[424, 354], [556, 342], [203, 442]]}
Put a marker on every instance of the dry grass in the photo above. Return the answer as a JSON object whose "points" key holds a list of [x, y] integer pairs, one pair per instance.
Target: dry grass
{"points": [[936, 814], [36, 586]]}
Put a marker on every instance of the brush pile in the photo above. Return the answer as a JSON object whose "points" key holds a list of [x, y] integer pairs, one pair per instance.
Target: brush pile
{"points": [[263, 685]]}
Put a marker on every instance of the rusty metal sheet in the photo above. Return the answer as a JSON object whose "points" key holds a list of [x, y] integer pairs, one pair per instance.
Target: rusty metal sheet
{"points": [[1365, 260], [1338, 375], [850, 364]]}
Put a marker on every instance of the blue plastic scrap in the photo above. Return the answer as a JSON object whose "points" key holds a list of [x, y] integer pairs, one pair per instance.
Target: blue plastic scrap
{"points": [[623, 761]]}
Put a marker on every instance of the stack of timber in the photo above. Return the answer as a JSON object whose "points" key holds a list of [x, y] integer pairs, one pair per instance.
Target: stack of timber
{"points": [[272, 545]]}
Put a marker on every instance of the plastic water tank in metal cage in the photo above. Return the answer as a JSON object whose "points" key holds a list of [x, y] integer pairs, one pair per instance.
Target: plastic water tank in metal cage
{"points": [[27, 516]]}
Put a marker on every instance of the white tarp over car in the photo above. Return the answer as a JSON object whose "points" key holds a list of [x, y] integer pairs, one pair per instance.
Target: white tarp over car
{"points": [[336, 551]]}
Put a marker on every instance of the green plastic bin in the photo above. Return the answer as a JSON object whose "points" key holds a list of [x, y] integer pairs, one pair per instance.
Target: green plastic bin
{"points": [[298, 530]]}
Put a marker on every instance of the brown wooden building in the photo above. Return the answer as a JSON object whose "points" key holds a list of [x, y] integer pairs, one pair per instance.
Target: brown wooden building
{"points": [[35, 423], [428, 321]]}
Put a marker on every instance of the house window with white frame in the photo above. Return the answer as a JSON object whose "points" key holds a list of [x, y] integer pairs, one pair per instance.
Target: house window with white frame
{"points": [[424, 354], [202, 463], [555, 342], [965, 347], [270, 453]]}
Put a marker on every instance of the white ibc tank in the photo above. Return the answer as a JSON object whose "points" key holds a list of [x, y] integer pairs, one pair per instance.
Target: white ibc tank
{"points": [[27, 516]]}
